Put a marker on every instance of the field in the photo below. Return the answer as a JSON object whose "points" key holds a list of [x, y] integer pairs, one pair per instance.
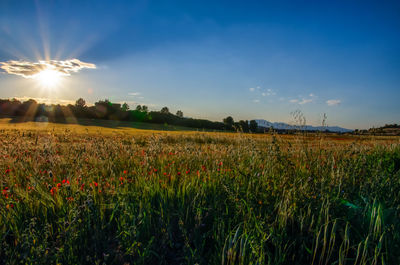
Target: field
{"points": [[95, 195]]}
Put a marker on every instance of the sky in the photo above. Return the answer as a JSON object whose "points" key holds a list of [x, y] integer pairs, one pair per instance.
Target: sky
{"points": [[210, 59]]}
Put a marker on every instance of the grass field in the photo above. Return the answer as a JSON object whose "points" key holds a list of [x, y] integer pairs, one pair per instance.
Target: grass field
{"points": [[100, 195]]}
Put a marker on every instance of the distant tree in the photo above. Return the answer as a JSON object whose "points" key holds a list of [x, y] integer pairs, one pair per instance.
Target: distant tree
{"points": [[179, 113], [139, 108], [164, 110], [244, 125], [125, 107], [229, 122], [253, 126], [80, 103], [145, 108]]}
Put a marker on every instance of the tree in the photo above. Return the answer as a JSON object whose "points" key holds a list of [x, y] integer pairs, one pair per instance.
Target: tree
{"points": [[164, 110], [139, 108], [228, 121], [244, 125], [80, 103], [145, 108], [125, 107], [179, 113], [253, 126]]}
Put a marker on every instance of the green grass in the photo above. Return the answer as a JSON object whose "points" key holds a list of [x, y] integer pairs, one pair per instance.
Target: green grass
{"points": [[73, 195]]}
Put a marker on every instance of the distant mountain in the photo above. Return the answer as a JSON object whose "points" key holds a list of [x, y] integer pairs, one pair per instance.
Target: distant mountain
{"points": [[285, 126]]}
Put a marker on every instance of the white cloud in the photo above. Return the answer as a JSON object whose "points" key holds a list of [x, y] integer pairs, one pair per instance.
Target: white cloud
{"points": [[251, 89], [256, 100], [333, 102], [31, 69], [268, 92], [305, 101], [134, 94]]}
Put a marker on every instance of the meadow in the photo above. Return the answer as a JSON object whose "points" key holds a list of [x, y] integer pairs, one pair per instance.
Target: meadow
{"points": [[93, 195]]}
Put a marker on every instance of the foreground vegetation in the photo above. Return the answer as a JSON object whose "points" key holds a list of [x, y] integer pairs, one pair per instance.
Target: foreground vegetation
{"points": [[73, 195]]}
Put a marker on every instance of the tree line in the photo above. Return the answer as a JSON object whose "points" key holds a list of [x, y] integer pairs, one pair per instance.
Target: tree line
{"points": [[31, 110]]}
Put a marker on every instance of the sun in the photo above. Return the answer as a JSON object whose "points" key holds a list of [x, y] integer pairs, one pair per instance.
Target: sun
{"points": [[48, 78]]}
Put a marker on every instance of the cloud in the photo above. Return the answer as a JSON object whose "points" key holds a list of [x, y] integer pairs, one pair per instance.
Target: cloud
{"points": [[31, 69], [134, 94], [303, 100], [256, 100], [47, 100], [251, 89], [269, 92], [333, 102]]}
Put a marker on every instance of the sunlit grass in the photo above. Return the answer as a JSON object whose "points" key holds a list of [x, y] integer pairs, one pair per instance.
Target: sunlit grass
{"points": [[74, 194]]}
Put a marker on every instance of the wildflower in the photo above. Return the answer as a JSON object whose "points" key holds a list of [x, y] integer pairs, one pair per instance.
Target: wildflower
{"points": [[95, 183], [5, 192], [58, 185], [8, 170], [125, 172], [82, 186]]}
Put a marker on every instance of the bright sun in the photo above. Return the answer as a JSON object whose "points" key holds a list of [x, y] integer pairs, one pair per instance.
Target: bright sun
{"points": [[48, 78]]}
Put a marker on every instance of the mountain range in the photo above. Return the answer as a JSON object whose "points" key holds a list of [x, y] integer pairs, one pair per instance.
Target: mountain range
{"points": [[284, 126]]}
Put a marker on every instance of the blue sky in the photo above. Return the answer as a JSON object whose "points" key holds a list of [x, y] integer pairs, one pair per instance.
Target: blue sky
{"points": [[211, 59]]}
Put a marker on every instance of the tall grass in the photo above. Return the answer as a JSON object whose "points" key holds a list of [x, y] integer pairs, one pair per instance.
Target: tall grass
{"points": [[197, 198]]}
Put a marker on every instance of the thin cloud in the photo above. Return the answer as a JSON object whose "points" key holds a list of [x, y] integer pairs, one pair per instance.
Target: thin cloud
{"points": [[256, 100], [251, 89], [303, 100], [48, 101], [269, 92], [333, 102], [31, 69], [134, 94]]}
